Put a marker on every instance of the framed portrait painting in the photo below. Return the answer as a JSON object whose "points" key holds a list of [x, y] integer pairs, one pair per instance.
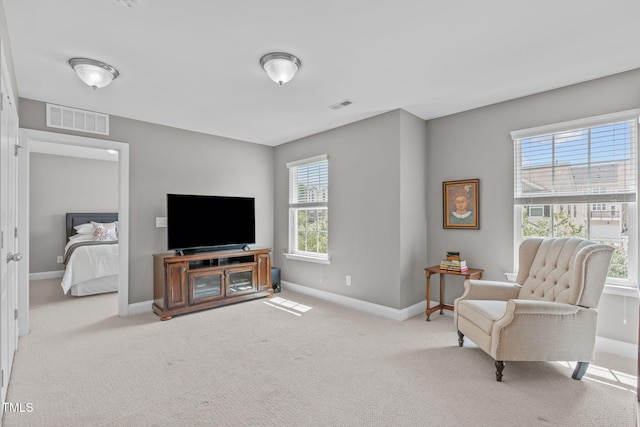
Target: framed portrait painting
{"points": [[460, 202]]}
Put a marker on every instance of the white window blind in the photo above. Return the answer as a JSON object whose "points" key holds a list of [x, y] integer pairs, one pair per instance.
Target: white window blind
{"points": [[309, 183], [591, 160]]}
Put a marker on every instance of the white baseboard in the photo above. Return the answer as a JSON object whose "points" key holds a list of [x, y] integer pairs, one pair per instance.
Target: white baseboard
{"points": [[140, 307], [46, 275], [620, 348], [356, 304]]}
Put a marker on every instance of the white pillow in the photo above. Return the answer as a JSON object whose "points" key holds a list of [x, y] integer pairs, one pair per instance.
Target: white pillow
{"points": [[81, 237], [105, 231], [84, 228]]}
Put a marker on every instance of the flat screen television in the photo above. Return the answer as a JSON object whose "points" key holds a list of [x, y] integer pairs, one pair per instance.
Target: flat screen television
{"points": [[197, 223]]}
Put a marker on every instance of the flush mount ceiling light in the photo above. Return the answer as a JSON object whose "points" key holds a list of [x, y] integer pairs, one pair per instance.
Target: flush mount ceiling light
{"points": [[94, 73], [280, 66]]}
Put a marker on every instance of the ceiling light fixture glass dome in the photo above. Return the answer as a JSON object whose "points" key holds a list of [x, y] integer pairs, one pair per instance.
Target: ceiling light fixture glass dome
{"points": [[94, 73], [280, 66]]}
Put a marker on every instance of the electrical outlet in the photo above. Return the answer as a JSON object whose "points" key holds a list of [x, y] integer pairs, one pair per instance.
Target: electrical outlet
{"points": [[348, 280], [60, 260]]}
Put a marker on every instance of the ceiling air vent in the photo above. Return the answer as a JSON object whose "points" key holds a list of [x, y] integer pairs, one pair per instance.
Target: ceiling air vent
{"points": [[341, 104], [78, 120]]}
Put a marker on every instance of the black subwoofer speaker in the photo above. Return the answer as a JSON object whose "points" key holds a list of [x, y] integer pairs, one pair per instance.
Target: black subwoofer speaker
{"points": [[275, 279]]}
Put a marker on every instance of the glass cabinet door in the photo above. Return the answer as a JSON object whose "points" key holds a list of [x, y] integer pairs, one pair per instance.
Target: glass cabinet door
{"points": [[241, 280], [205, 286]]}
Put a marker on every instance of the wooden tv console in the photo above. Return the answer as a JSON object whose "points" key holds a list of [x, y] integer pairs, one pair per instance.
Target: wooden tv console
{"points": [[186, 283]]}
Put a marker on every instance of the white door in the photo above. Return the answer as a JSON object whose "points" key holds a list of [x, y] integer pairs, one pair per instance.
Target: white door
{"points": [[4, 250], [9, 254]]}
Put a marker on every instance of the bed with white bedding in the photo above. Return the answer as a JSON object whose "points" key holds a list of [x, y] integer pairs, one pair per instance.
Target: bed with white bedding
{"points": [[91, 254]]}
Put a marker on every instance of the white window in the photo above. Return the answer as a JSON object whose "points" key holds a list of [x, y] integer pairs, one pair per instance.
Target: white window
{"points": [[536, 210], [590, 164], [309, 209]]}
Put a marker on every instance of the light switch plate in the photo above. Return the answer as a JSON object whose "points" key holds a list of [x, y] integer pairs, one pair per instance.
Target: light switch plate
{"points": [[161, 221]]}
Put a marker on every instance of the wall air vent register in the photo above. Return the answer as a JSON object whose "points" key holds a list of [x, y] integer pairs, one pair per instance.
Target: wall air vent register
{"points": [[79, 120]]}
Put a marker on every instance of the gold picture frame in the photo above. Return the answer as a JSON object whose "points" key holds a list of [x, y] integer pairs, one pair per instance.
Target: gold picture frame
{"points": [[460, 204]]}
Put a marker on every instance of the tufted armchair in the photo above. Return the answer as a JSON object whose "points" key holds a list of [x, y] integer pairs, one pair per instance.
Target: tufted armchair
{"points": [[548, 314]]}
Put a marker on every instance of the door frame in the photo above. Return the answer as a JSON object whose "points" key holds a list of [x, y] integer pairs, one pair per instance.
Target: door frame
{"points": [[27, 136], [9, 223]]}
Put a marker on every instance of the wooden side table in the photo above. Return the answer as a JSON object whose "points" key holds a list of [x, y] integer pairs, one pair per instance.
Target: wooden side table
{"points": [[472, 273]]}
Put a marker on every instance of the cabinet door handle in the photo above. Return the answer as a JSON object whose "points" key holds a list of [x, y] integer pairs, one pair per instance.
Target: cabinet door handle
{"points": [[259, 260], [183, 269]]}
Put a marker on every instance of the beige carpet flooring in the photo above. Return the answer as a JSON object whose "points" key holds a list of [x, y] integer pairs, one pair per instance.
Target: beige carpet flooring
{"points": [[274, 363]]}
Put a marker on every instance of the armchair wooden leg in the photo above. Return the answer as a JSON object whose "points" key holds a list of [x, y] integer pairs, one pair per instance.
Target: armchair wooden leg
{"points": [[580, 370], [460, 339], [499, 368]]}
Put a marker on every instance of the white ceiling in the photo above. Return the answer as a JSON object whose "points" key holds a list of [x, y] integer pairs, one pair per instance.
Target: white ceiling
{"points": [[194, 64]]}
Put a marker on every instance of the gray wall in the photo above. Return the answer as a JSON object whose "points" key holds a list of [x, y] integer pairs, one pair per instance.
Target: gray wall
{"points": [[376, 202], [477, 144], [169, 160], [61, 184], [413, 207]]}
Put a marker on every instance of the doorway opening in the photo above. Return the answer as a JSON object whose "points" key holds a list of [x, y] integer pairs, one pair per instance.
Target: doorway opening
{"points": [[29, 138]]}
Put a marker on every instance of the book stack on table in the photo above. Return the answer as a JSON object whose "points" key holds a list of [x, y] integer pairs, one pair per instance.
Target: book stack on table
{"points": [[454, 263]]}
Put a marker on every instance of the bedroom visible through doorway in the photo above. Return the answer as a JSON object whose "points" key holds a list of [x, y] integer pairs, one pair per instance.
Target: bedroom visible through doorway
{"points": [[37, 143]]}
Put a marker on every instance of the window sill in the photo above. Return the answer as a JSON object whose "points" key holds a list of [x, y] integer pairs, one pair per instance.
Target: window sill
{"points": [[317, 260], [624, 291]]}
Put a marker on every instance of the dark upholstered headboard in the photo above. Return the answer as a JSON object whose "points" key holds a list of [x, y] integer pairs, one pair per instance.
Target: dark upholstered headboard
{"points": [[74, 219]]}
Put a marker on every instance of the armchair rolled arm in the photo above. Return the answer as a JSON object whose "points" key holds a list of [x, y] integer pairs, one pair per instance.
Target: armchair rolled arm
{"points": [[489, 290], [525, 306]]}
